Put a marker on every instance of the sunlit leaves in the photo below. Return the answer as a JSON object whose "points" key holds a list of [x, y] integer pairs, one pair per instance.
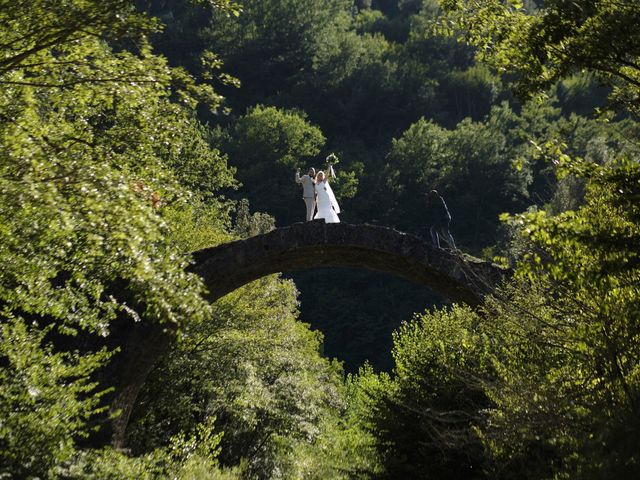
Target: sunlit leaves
{"points": [[561, 38], [570, 333], [92, 150], [258, 370], [423, 416], [46, 399]]}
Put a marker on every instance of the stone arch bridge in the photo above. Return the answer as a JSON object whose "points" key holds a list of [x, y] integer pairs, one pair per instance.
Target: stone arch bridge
{"points": [[456, 276]]}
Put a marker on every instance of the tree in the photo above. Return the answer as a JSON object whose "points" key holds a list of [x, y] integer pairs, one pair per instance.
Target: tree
{"points": [[428, 156], [545, 44], [93, 151], [266, 146], [46, 400], [272, 43], [542, 382], [256, 369], [566, 338], [424, 415]]}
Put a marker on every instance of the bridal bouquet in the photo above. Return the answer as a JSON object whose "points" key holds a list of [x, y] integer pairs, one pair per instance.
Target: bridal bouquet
{"points": [[332, 159]]}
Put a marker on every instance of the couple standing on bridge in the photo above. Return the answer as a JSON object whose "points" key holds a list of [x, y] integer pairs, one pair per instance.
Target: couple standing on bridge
{"points": [[316, 191]]}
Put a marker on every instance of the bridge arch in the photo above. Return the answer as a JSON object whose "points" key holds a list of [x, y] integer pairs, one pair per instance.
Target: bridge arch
{"points": [[458, 277]]}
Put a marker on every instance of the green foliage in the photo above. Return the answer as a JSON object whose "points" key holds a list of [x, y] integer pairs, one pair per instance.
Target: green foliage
{"points": [[32, 30], [201, 468], [266, 146], [46, 400], [110, 464], [595, 245], [204, 442], [275, 137], [424, 415], [554, 41], [84, 169], [95, 149], [474, 160], [195, 225], [366, 20], [185, 459], [567, 339], [364, 76], [543, 383], [249, 224], [458, 88], [272, 42], [257, 369], [108, 180], [344, 448]]}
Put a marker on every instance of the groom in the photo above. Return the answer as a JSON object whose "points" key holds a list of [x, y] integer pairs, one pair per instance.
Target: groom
{"points": [[308, 191]]}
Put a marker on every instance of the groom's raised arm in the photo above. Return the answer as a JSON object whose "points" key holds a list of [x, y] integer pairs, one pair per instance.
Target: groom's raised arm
{"points": [[298, 176]]}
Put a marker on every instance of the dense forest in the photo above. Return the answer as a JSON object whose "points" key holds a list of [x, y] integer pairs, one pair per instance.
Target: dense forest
{"points": [[136, 132]]}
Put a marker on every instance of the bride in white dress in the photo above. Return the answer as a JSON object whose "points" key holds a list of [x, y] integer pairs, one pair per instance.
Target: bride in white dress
{"points": [[328, 207]]}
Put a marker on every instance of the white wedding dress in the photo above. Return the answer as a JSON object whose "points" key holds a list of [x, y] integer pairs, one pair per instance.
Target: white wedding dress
{"points": [[327, 205]]}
